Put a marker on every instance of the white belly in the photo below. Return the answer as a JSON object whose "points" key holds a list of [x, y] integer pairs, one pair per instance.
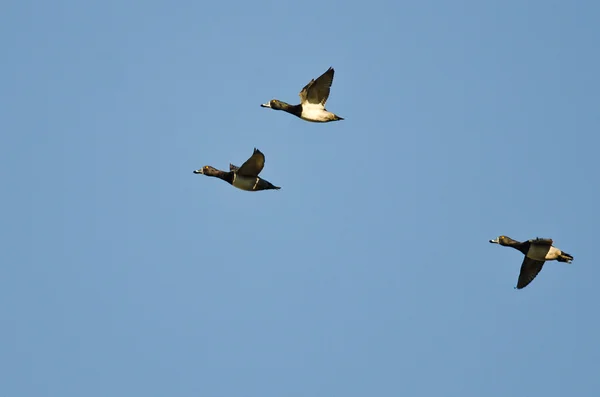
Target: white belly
{"points": [[553, 253], [311, 112], [542, 253]]}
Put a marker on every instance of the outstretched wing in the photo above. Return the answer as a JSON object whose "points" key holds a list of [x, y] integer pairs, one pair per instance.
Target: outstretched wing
{"points": [[254, 165], [317, 91], [233, 167], [529, 270]]}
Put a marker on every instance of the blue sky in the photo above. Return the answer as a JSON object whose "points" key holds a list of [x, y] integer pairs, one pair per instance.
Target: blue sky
{"points": [[369, 273]]}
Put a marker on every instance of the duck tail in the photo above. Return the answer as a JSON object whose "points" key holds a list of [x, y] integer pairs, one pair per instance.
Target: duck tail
{"points": [[564, 257], [336, 117]]}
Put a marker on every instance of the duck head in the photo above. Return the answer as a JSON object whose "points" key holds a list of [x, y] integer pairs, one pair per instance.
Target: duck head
{"points": [[207, 170], [274, 104], [502, 240]]}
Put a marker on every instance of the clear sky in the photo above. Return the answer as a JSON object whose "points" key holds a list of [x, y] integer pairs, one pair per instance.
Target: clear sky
{"points": [[370, 272]]}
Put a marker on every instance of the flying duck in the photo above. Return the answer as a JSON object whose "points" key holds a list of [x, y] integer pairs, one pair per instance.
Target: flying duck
{"points": [[312, 101], [536, 253], [244, 177]]}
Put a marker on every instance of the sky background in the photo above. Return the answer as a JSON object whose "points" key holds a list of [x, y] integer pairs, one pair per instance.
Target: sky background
{"points": [[369, 273]]}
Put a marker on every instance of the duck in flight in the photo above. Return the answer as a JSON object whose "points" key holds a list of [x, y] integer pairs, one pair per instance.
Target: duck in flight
{"points": [[536, 252], [244, 177], [312, 101]]}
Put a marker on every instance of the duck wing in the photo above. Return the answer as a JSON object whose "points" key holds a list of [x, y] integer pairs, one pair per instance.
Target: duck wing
{"points": [[233, 168], [542, 241], [529, 270], [254, 165], [317, 91]]}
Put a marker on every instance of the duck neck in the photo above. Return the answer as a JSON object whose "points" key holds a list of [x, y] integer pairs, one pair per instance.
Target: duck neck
{"points": [[226, 176], [293, 109], [523, 247]]}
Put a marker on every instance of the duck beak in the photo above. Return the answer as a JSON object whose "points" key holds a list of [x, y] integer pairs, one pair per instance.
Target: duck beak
{"points": [[199, 171], [495, 241], [265, 105]]}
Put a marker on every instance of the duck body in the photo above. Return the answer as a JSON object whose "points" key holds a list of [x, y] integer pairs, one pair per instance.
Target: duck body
{"points": [[543, 253], [244, 177], [251, 183], [317, 114], [312, 101], [537, 252]]}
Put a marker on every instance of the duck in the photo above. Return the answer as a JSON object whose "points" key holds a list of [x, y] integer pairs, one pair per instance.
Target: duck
{"points": [[312, 101], [244, 177], [536, 251]]}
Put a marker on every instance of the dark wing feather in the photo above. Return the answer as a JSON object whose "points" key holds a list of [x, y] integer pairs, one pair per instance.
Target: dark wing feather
{"points": [[529, 270], [233, 167], [317, 91], [542, 241], [254, 165]]}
